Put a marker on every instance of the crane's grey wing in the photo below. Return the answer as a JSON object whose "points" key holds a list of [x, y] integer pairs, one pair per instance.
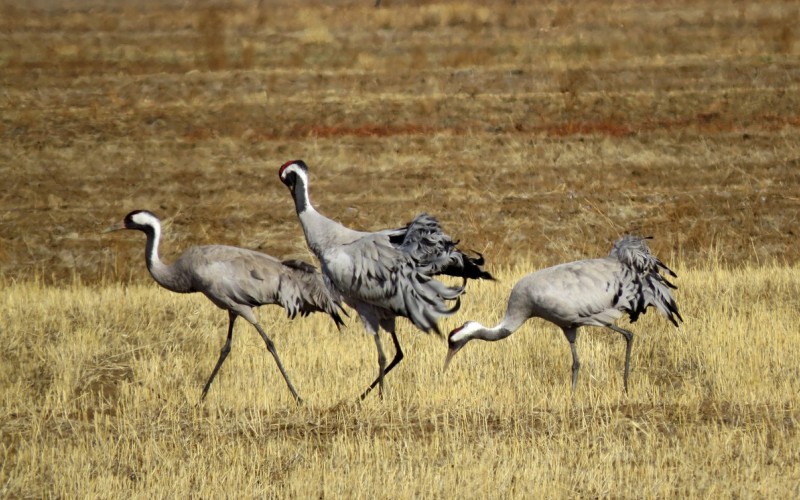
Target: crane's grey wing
{"points": [[434, 251], [373, 271], [302, 289], [580, 292], [231, 277], [240, 279], [643, 285]]}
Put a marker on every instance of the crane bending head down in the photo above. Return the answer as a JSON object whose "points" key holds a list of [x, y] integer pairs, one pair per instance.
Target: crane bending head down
{"points": [[592, 292]]}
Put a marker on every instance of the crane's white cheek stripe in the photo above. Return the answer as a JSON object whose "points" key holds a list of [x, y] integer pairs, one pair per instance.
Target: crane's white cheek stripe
{"points": [[144, 219], [293, 168], [462, 333], [302, 175]]}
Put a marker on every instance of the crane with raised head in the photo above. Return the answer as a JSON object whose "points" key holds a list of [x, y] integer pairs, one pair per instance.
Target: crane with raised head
{"points": [[385, 274], [237, 280]]}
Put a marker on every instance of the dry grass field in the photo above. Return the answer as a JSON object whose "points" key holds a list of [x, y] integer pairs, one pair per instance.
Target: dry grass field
{"points": [[537, 132], [100, 389]]}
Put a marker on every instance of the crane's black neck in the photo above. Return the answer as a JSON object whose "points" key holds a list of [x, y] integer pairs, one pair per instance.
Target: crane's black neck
{"points": [[300, 194], [151, 249]]}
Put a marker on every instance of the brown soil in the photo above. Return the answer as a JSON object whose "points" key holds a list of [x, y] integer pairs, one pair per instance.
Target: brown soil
{"points": [[536, 132]]}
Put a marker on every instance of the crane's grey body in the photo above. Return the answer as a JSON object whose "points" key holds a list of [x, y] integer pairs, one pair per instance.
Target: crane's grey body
{"points": [[550, 294], [593, 292], [237, 280], [385, 274]]}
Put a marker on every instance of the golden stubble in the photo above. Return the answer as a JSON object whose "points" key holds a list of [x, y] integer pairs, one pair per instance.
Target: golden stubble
{"points": [[101, 384]]}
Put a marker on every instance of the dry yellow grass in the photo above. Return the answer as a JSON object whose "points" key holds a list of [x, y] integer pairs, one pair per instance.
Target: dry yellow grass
{"points": [[100, 386]]}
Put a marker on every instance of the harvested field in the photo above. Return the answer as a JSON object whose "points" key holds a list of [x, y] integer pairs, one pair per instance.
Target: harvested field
{"points": [[99, 391], [533, 132]]}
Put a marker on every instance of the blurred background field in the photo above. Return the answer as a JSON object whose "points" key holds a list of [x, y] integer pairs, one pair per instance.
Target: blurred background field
{"points": [[533, 130], [537, 132]]}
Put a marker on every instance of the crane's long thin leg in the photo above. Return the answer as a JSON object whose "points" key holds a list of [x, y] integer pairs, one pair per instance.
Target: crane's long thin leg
{"points": [[572, 337], [223, 353], [271, 349], [398, 356], [628, 341], [381, 368]]}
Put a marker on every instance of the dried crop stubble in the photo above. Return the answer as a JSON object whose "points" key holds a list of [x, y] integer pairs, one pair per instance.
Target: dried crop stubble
{"points": [[100, 387]]}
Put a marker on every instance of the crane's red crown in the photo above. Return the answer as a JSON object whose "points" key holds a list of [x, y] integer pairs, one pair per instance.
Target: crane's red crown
{"points": [[300, 163]]}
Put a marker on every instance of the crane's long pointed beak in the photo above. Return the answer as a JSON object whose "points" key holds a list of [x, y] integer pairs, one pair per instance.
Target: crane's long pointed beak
{"points": [[450, 353], [115, 227]]}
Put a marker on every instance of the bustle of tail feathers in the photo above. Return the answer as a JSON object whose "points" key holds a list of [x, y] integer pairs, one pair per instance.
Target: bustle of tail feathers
{"points": [[435, 252], [318, 297], [424, 301], [650, 287], [634, 252]]}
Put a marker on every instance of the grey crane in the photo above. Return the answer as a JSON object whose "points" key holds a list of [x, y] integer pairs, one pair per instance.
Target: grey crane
{"points": [[237, 280], [384, 274], [593, 292]]}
